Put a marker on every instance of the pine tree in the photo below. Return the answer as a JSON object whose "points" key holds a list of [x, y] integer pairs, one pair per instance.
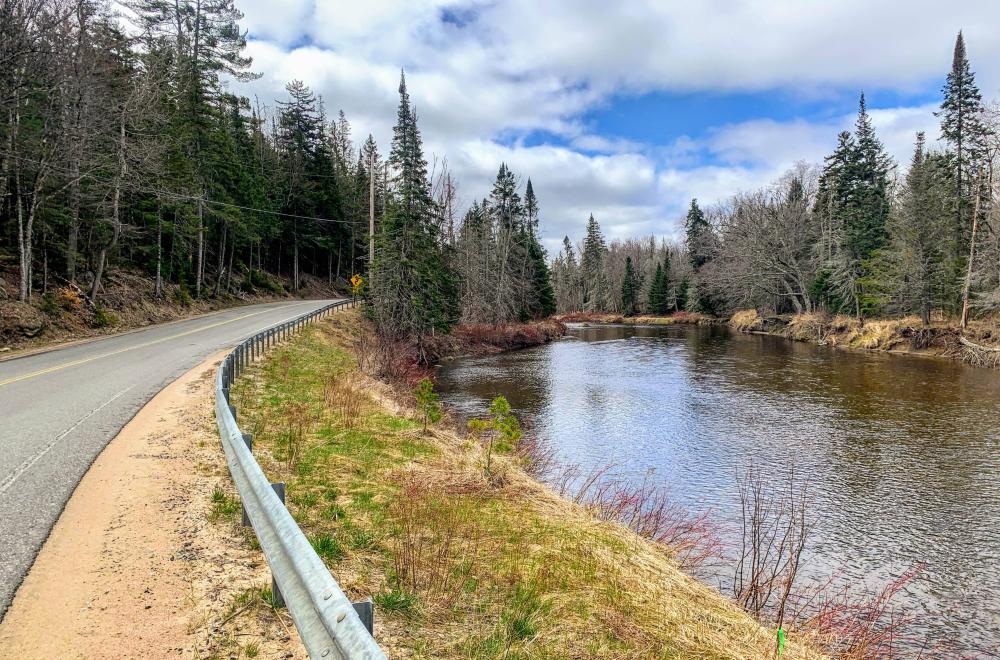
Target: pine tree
{"points": [[699, 236], [658, 302], [544, 297], [414, 291], [595, 281], [914, 262], [701, 247], [541, 296], [630, 289], [869, 170], [964, 129]]}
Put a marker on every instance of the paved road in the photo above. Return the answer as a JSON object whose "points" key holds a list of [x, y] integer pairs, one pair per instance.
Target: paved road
{"points": [[59, 409]]}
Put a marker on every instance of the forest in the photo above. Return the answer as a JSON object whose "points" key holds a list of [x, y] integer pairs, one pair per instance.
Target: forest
{"points": [[123, 148], [858, 235]]}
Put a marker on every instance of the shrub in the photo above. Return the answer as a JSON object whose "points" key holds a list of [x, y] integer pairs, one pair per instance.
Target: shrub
{"points": [[259, 279], [182, 296], [427, 402], [104, 318], [501, 429], [69, 299], [746, 320]]}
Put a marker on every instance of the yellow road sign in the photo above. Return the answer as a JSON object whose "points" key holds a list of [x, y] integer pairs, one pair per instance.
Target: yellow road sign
{"points": [[356, 281]]}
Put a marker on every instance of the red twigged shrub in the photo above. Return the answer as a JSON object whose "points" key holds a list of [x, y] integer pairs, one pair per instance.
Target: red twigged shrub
{"points": [[648, 510]]}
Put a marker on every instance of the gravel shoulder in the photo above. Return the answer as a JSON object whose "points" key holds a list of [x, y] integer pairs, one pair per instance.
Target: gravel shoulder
{"points": [[143, 561]]}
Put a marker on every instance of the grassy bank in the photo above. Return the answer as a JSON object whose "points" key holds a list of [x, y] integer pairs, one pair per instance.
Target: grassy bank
{"points": [[942, 337], [689, 318], [461, 565]]}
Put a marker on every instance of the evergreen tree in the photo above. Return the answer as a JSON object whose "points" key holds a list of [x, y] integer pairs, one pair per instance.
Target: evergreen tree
{"points": [[701, 247], [865, 214], [913, 265], [699, 236], [595, 279], [964, 129], [658, 290], [544, 297], [541, 296], [414, 292], [630, 289]]}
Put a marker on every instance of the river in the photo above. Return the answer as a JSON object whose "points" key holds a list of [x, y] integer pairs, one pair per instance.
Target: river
{"points": [[902, 453]]}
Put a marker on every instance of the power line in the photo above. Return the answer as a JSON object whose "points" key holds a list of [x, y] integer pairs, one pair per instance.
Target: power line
{"points": [[193, 198]]}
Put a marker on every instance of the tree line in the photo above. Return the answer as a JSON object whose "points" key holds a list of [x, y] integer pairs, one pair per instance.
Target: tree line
{"points": [[120, 145], [430, 271], [852, 236]]}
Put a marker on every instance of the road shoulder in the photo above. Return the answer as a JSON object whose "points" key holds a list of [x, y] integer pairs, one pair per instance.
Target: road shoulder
{"points": [[141, 563]]}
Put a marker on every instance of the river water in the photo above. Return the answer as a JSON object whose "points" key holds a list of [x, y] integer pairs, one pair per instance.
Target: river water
{"points": [[902, 453]]}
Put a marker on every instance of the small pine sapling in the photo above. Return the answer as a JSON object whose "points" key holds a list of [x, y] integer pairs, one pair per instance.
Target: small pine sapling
{"points": [[501, 429], [427, 402]]}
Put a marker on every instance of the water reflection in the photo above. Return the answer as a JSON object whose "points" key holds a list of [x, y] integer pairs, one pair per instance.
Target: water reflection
{"points": [[903, 453]]}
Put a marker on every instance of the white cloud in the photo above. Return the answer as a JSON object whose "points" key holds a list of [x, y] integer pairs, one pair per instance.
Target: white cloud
{"points": [[484, 74]]}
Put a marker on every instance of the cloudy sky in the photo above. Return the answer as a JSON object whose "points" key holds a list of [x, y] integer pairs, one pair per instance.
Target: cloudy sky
{"points": [[624, 110]]}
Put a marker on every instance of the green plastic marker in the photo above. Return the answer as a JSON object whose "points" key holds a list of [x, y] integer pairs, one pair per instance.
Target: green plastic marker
{"points": [[781, 641]]}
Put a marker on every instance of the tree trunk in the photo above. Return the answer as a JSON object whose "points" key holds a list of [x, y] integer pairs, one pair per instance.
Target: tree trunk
{"points": [[74, 219], [221, 270], [972, 256], [229, 269], [115, 212], [199, 266], [159, 252]]}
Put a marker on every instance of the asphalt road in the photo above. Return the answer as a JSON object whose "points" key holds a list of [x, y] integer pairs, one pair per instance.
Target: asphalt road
{"points": [[59, 409]]}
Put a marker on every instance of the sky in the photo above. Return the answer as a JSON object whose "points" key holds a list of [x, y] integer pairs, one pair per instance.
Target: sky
{"points": [[624, 110]]}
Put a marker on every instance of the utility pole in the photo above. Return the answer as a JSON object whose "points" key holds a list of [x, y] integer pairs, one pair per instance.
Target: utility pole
{"points": [[371, 213]]}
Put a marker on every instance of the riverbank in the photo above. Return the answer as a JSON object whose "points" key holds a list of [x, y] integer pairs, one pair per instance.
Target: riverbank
{"points": [[128, 301], [941, 338], [460, 563]]}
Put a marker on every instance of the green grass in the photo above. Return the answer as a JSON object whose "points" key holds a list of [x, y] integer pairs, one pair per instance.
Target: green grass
{"points": [[457, 565], [397, 601], [327, 547], [224, 506]]}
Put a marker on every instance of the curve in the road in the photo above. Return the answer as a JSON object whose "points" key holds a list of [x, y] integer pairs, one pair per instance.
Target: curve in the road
{"points": [[60, 408]]}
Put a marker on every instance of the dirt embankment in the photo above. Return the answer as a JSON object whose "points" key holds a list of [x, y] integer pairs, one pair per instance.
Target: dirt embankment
{"points": [[146, 560], [128, 300]]}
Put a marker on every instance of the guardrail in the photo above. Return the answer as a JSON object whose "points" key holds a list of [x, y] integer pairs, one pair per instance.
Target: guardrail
{"points": [[329, 625]]}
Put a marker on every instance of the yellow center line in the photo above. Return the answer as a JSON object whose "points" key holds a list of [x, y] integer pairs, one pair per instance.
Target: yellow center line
{"points": [[74, 363]]}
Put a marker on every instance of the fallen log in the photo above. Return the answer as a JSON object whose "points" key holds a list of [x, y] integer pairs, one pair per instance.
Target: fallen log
{"points": [[978, 355]]}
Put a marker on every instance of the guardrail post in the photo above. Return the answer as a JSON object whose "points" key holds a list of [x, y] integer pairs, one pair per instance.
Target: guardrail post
{"points": [[366, 610], [276, 598], [248, 439], [232, 409]]}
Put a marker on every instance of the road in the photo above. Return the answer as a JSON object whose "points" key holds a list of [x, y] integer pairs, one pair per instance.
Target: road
{"points": [[60, 408]]}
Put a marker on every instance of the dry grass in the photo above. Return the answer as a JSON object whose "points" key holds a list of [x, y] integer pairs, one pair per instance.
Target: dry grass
{"points": [[746, 320], [693, 318], [462, 566]]}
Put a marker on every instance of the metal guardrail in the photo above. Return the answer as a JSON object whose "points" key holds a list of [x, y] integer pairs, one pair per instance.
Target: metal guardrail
{"points": [[327, 621]]}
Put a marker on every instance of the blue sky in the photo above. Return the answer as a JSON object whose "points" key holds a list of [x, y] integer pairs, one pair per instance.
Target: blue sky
{"points": [[625, 111]]}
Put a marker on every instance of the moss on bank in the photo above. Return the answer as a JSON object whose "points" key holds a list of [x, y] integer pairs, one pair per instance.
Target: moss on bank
{"points": [[462, 566]]}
